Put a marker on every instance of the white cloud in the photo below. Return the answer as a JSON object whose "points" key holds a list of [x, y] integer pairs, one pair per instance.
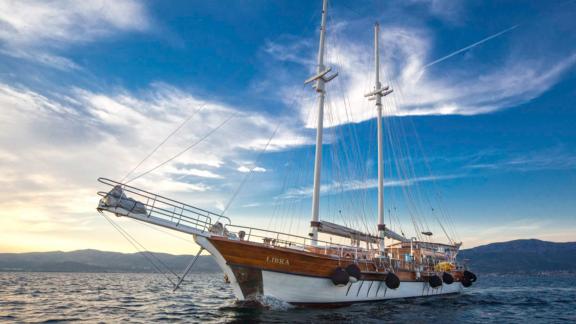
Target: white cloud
{"points": [[183, 173], [290, 49], [29, 22], [33, 29], [251, 205], [52, 148], [352, 185], [421, 91], [245, 169], [449, 10]]}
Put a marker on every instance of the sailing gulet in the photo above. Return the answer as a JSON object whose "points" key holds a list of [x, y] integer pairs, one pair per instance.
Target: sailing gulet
{"points": [[306, 270]]}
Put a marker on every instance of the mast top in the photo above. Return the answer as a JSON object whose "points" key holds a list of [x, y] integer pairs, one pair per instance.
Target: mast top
{"points": [[379, 91], [322, 72]]}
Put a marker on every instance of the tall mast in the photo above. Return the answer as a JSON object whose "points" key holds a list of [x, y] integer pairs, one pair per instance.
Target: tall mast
{"points": [[377, 95], [321, 79]]}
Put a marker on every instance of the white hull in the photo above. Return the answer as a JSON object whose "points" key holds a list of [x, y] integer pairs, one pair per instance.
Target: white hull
{"points": [[297, 289], [311, 290]]}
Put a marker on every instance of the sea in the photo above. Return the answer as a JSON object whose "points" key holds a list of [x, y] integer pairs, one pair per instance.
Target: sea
{"points": [[206, 298]]}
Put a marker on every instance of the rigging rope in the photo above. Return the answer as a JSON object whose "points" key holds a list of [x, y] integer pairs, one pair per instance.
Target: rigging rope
{"points": [[200, 140], [164, 141], [145, 253], [250, 172]]}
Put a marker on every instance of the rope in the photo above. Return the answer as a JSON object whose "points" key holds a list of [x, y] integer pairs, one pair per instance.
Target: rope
{"points": [[145, 253], [163, 142], [250, 172], [200, 140]]}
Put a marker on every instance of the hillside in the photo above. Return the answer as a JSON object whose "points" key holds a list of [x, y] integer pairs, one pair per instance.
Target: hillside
{"points": [[522, 256], [505, 257], [99, 261]]}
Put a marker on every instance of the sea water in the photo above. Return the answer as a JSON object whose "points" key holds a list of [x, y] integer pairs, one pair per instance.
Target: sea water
{"points": [[113, 297]]}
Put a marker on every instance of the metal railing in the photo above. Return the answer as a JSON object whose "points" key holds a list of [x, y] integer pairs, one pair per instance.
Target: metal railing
{"points": [[302, 243], [173, 211], [343, 251]]}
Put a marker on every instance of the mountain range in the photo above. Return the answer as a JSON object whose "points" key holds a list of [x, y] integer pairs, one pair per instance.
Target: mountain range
{"points": [[101, 261], [527, 256], [519, 256]]}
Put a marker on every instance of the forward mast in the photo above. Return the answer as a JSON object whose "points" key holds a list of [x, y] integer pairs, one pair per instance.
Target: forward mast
{"points": [[321, 79]]}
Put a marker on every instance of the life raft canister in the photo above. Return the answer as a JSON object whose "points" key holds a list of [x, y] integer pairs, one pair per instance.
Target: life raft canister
{"points": [[447, 278], [434, 281], [392, 281], [340, 277], [353, 271]]}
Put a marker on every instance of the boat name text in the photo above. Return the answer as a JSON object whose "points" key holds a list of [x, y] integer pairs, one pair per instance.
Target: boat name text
{"points": [[277, 260]]}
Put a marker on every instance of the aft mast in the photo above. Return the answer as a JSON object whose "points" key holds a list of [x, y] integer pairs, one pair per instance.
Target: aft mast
{"points": [[321, 79], [377, 95]]}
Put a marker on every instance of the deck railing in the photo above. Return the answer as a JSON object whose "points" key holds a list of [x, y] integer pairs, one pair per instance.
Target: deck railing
{"points": [[170, 210], [359, 254], [285, 240]]}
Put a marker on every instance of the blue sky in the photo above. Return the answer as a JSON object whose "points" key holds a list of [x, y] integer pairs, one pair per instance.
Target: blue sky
{"points": [[88, 89]]}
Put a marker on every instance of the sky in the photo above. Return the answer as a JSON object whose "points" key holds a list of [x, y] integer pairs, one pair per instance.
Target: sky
{"points": [[480, 130]]}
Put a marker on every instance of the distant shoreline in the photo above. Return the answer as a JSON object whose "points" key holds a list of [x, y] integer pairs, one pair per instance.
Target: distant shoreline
{"points": [[99, 272], [514, 257]]}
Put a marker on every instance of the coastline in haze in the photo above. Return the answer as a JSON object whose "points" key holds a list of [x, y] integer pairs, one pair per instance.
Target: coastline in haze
{"points": [[519, 256]]}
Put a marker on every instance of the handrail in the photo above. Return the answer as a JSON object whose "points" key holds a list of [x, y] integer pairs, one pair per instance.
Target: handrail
{"points": [[291, 240], [155, 211], [155, 206], [168, 201], [357, 253]]}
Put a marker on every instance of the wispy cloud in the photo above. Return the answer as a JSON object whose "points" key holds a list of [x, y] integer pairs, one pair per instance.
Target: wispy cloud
{"points": [[245, 169], [556, 158], [519, 78], [36, 30], [182, 173], [290, 48], [448, 10], [338, 187]]}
